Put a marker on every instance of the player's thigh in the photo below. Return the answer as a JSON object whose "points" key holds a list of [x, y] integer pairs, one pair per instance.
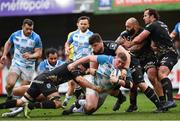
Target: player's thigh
{"points": [[26, 75], [13, 75]]}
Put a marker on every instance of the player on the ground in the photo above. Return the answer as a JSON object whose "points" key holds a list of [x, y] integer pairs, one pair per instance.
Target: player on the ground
{"points": [[46, 84]]}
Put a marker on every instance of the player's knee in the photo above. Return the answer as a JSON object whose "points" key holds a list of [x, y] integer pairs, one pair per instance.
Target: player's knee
{"points": [[163, 72], [9, 86], [90, 107]]}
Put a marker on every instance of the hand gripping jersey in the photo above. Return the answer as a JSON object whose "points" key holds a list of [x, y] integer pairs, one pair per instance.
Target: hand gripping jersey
{"points": [[24, 44], [80, 42]]}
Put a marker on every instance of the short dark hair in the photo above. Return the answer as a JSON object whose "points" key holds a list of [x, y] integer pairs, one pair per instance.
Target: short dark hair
{"points": [[50, 51], [122, 56], [28, 21], [84, 17], [95, 38], [153, 12]]}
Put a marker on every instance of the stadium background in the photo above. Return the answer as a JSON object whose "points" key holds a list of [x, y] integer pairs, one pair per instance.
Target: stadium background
{"points": [[107, 18]]}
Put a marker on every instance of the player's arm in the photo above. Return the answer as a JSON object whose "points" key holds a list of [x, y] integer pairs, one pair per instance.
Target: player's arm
{"points": [[90, 58], [173, 34], [7, 47], [137, 40], [37, 54], [67, 44], [84, 83]]}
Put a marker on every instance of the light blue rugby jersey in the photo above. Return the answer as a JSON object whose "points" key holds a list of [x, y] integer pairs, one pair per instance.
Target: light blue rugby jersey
{"points": [[80, 43], [104, 71], [24, 44], [45, 66], [177, 29]]}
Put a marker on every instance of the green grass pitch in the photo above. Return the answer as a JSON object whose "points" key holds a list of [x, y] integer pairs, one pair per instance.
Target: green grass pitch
{"points": [[145, 108]]}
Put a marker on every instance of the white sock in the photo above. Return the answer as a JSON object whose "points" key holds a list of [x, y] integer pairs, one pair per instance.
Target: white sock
{"points": [[67, 98], [82, 102]]}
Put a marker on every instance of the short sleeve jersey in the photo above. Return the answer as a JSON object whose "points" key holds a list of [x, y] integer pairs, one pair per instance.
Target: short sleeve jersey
{"points": [[110, 48], [80, 42], [159, 34], [24, 44], [46, 66]]}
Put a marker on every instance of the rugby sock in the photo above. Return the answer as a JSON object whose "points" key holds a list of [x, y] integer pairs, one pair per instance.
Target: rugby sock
{"points": [[120, 95], [67, 98], [167, 87], [82, 102], [152, 96], [8, 104], [133, 96], [47, 104], [162, 98]]}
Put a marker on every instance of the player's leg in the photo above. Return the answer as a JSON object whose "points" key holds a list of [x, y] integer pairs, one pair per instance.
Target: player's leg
{"points": [[133, 99], [70, 92], [166, 65], [12, 77]]}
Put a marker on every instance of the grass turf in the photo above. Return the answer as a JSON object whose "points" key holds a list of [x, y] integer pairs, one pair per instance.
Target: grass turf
{"points": [[145, 108]]}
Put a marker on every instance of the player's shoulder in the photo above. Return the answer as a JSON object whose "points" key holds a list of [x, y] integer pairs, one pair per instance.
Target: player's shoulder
{"points": [[17, 33], [178, 24], [89, 32], [43, 62], [35, 35]]}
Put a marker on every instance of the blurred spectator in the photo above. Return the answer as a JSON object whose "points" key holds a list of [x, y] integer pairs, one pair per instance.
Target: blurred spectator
{"points": [[61, 54]]}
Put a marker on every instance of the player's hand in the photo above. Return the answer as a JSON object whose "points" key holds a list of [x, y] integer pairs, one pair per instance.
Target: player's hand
{"points": [[3, 59], [91, 71], [114, 79], [26, 55], [127, 44], [71, 67], [123, 74]]}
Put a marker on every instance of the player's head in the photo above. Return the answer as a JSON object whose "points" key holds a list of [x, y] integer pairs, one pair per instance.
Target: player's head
{"points": [[83, 23], [51, 55], [96, 43], [27, 27], [150, 15], [132, 25], [120, 60]]}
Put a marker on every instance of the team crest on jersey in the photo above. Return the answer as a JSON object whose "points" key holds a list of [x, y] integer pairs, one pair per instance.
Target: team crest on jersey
{"points": [[48, 85], [113, 46]]}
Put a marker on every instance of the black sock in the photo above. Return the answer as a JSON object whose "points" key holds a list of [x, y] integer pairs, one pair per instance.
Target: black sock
{"points": [[47, 104], [79, 93], [8, 104], [120, 95], [152, 96], [133, 96], [167, 87], [162, 98]]}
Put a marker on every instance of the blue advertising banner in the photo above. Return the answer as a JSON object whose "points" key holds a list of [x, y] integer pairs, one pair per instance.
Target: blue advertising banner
{"points": [[35, 7]]}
